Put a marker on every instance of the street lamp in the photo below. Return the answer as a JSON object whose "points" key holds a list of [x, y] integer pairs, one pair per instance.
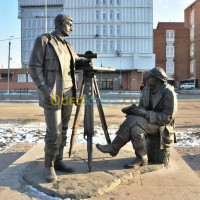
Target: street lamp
{"points": [[9, 46]]}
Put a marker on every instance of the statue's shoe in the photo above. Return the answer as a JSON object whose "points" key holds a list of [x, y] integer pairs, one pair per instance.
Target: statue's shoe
{"points": [[60, 166], [136, 163], [50, 175], [107, 149]]}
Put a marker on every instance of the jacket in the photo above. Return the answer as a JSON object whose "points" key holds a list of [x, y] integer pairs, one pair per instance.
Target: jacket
{"points": [[163, 111], [44, 67]]}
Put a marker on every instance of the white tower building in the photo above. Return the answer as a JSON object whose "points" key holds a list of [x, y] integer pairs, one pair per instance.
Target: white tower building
{"points": [[32, 15], [120, 31]]}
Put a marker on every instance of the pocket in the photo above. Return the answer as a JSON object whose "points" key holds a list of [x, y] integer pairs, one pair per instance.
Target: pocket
{"points": [[52, 64]]}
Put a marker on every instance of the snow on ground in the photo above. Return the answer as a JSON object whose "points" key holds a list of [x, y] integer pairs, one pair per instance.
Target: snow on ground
{"points": [[11, 133]]}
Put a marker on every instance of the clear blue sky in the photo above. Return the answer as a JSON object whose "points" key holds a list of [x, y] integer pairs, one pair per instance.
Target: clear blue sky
{"points": [[163, 11]]}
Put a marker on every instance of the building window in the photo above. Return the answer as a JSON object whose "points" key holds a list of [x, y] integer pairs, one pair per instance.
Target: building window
{"points": [[111, 2], [97, 30], [170, 51], [111, 30], [104, 45], [97, 2], [192, 50], [29, 78], [39, 23], [118, 2], [170, 67], [118, 30], [111, 15], [118, 15], [111, 45], [104, 30], [170, 35], [34, 23], [98, 46], [97, 14], [118, 45], [24, 24], [192, 17], [104, 2], [29, 23], [21, 78], [192, 63], [104, 15]]}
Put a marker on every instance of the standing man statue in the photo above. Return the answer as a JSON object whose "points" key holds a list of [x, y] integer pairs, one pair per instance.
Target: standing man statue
{"points": [[52, 66], [154, 115]]}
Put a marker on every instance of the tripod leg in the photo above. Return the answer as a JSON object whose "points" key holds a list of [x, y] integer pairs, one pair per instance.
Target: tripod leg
{"points": [[101, 112], [76, 119], [89, 115]]}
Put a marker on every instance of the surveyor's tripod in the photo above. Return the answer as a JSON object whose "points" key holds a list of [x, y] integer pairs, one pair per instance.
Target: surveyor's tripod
{"points": [[89, 89]]}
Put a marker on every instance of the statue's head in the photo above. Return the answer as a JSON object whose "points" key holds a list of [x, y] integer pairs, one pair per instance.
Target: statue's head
{"points": [[156, 76], [63, 23]]}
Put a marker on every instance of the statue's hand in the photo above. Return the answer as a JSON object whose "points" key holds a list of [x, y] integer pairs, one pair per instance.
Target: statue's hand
{"points": [[140, 111], [128, 109]]}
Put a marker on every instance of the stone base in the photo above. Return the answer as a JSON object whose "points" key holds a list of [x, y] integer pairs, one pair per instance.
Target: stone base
{"points": [[107, 173]]}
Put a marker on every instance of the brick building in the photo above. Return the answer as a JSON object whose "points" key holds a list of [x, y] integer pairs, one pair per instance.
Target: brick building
{"points": [[177, 47], [171, 46], [192, 22], [19, 79]]}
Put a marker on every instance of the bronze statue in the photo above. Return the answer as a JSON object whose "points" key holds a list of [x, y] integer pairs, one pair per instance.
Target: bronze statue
{"points": [[52, 64], [153, 116]]}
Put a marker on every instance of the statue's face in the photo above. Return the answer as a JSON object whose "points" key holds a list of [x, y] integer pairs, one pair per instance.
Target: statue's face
{"points": [[66, 28], [152, 81]]}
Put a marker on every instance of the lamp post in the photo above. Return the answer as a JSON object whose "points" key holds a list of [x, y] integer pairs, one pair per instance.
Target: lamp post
{"points": [[9, 47], [46, 28]]}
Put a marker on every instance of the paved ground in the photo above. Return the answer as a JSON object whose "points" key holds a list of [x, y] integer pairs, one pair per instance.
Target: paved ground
{"points": [[178, 182], [187, 116]]}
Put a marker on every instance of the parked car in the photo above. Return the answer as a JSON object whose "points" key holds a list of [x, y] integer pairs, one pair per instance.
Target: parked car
{"points": [[186, 86]]}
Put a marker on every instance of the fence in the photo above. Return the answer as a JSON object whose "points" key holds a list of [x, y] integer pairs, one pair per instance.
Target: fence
{"points": [[21, 94]]}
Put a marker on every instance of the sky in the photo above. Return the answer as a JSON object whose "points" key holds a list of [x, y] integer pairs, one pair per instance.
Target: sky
{"points": [[163, 11]]}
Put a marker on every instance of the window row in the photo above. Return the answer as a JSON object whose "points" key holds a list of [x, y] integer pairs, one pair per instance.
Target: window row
{"points": [[108, 30], [34, 33], [106, 15], [37, 23], [50, 13], [23, 79], [106, 2], [106, 45]]}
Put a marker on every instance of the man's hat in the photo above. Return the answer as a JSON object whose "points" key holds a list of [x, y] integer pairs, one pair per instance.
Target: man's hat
{"points": [[159, 73]]}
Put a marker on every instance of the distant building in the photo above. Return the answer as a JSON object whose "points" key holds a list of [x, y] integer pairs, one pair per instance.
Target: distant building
{"points": [[177, 48], [171, 46], [192, 22], [32, 15], [19, 79], [120, 31]]}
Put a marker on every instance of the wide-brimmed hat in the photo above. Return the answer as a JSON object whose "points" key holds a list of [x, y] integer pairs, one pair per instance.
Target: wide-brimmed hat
{"points": [[158, 73]]}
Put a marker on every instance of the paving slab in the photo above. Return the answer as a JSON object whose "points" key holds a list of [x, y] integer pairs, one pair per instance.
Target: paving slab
{"points": [[176, 182]]}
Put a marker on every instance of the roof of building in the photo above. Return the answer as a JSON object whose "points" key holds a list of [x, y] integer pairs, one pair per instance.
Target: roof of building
{"points": [[191, 4], [170, 25]]}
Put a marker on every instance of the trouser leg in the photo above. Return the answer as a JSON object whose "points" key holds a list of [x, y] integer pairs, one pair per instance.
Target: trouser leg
{"points": [[65, 115], [123, 136], [53, 137]]}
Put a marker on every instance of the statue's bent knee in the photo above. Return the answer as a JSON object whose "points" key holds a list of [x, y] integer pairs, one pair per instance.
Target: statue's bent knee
{"points": [[137, 133]]}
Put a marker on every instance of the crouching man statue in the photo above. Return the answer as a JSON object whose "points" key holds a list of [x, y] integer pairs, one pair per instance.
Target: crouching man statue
{"points": [[154, 117]]}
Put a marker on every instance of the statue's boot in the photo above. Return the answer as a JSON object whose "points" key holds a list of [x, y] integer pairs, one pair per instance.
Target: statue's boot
{"points": [[49, 172], [123, 136], [141, 155], [60, 165]]}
